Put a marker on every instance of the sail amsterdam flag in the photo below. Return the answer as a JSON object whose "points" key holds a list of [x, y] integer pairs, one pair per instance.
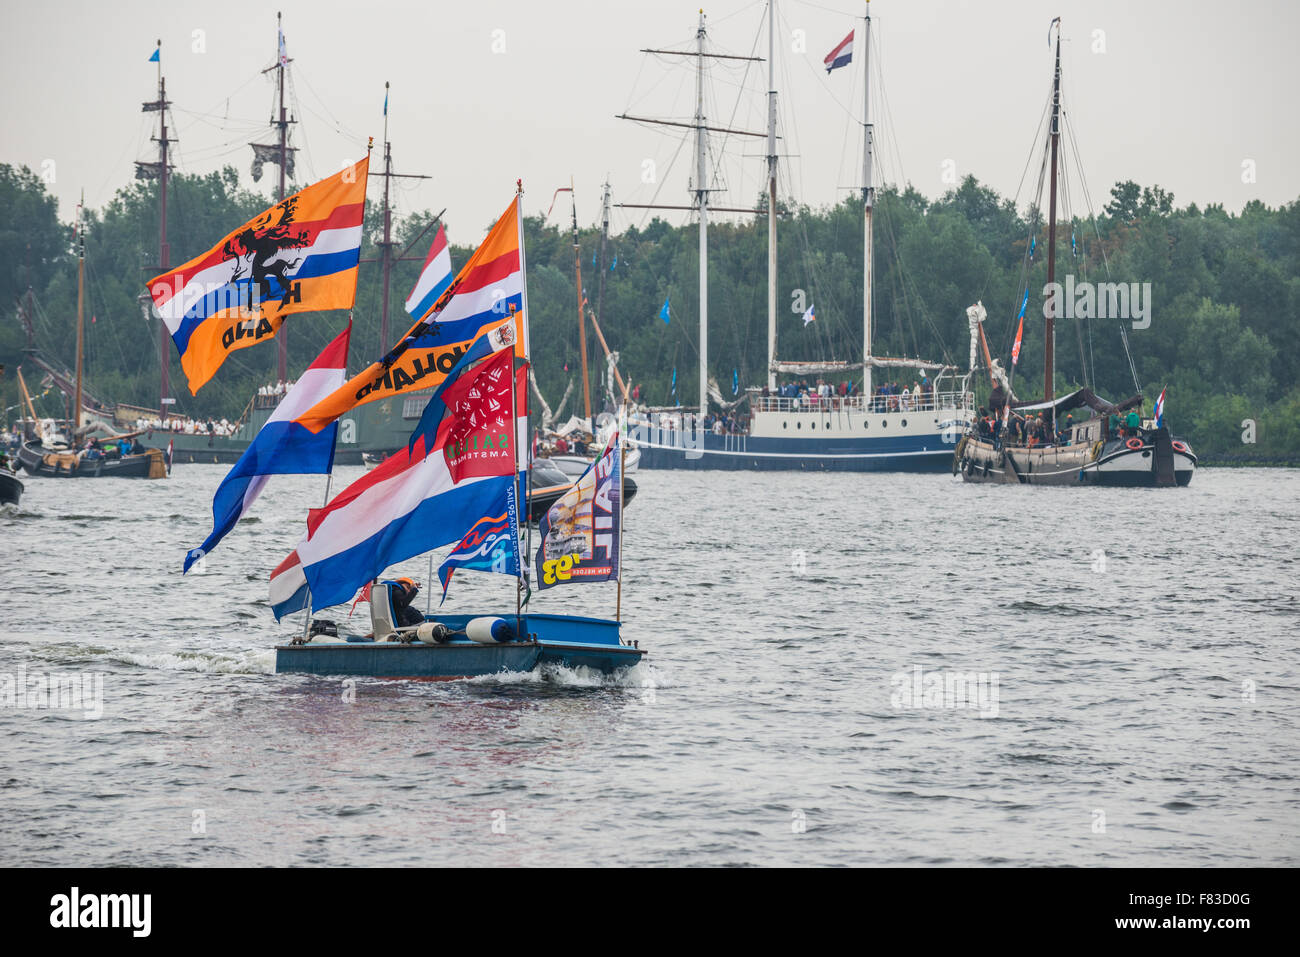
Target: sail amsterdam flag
{"points": [[580, 532], [488, 289], [300, 255], [282, 447]]}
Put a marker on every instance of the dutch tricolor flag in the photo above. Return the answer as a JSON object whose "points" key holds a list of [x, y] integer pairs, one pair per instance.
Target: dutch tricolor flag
{"points": [[1160, 408], [842, 55], [435, 277]]}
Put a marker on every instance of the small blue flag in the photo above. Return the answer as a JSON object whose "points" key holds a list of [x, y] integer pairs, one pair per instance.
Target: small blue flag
{"points": [[614, 263], [153, 57], [735, 381], [674, 381], [385, 102], [593, 257], [663, 313]]}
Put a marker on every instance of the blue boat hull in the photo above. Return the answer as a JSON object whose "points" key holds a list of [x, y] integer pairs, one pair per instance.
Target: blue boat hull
{"points": [[567, 640], [928, 453]]}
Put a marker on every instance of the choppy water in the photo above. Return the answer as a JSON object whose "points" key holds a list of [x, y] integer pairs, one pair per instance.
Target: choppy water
{"points": [[1145, 713]]}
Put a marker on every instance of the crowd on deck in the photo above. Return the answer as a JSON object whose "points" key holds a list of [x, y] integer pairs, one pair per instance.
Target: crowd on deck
{"points": [[187, 426], [1028, 429], [890, 397]]}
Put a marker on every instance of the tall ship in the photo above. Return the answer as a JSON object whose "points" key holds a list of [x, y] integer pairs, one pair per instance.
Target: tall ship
{"points": [[1074, 439], [855, 428]]}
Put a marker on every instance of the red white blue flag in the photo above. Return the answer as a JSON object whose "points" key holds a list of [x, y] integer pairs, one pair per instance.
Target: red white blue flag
{"points": [[282, 447], [435, 276], [416, 500], [1160, 408], [842, 55]]}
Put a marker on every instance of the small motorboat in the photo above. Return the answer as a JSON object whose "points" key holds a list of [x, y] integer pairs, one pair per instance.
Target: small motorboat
{"points": [[448, 647], [549, 483], [575, 465], [37, 459]]}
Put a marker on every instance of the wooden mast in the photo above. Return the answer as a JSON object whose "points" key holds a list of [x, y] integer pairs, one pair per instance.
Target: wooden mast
{"points": [[1049, 327], [582, 322]]}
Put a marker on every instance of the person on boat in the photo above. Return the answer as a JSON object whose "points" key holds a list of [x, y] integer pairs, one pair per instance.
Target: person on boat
{"points": [[997, 398], [985, 425], [1067, 430], [123, 448], [1133, 421], [403, 594]]}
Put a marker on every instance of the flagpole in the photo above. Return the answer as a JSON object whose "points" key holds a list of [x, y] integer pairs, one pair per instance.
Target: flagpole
{"points": [[622, 484], [329, 476]]}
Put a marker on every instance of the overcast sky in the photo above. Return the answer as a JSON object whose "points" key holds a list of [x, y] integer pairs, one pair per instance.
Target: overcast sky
{"points": [[1178, 94]]}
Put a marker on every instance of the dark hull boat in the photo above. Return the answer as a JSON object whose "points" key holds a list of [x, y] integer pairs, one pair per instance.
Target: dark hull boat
{"points": [[549, 484], [47, 463], [1154, 460], [11, 489]]}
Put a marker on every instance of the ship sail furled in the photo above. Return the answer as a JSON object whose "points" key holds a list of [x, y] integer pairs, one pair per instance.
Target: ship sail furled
{"points": [[300, 255], [488, 289]]}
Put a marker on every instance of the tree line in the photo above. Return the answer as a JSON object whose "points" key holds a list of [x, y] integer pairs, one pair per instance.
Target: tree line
{"points": [[1224, 298]]}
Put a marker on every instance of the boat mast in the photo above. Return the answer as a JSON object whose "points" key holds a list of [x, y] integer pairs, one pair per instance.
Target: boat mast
{"points": [[386, 245], [1049, 328], [282, 60], [702, 202], [868, 196], [771, 194], [81, 324], [604, 240], [163, 171], [582, 322]]}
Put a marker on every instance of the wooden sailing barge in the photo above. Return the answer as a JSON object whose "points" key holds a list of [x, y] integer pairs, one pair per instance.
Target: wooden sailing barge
{"points": [[1112, 446]]}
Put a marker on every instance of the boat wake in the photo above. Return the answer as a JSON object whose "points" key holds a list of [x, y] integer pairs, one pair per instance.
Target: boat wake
{"points": [[638, 676], [261, 662]]}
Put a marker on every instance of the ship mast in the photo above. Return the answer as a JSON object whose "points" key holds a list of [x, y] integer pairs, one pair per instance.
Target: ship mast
{"points": [[281, 62], [386, 257], [81, 315], [771, 195], [604, 240], [162, 171], [868, 196], [1049, 327], [701, 186], [702, 202], [582, 322]]}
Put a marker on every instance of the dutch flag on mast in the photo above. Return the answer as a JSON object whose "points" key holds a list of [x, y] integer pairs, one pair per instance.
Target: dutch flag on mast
{"points": [[842, 55], [435, 275]]}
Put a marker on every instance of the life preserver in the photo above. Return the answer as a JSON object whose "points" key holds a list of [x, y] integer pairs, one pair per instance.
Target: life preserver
{"points": [[1179, 446], [1134, 444]]}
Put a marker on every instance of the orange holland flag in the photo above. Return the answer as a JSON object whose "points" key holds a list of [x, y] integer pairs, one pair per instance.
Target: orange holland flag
{"points": [[298, 256], [488, 290]]}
